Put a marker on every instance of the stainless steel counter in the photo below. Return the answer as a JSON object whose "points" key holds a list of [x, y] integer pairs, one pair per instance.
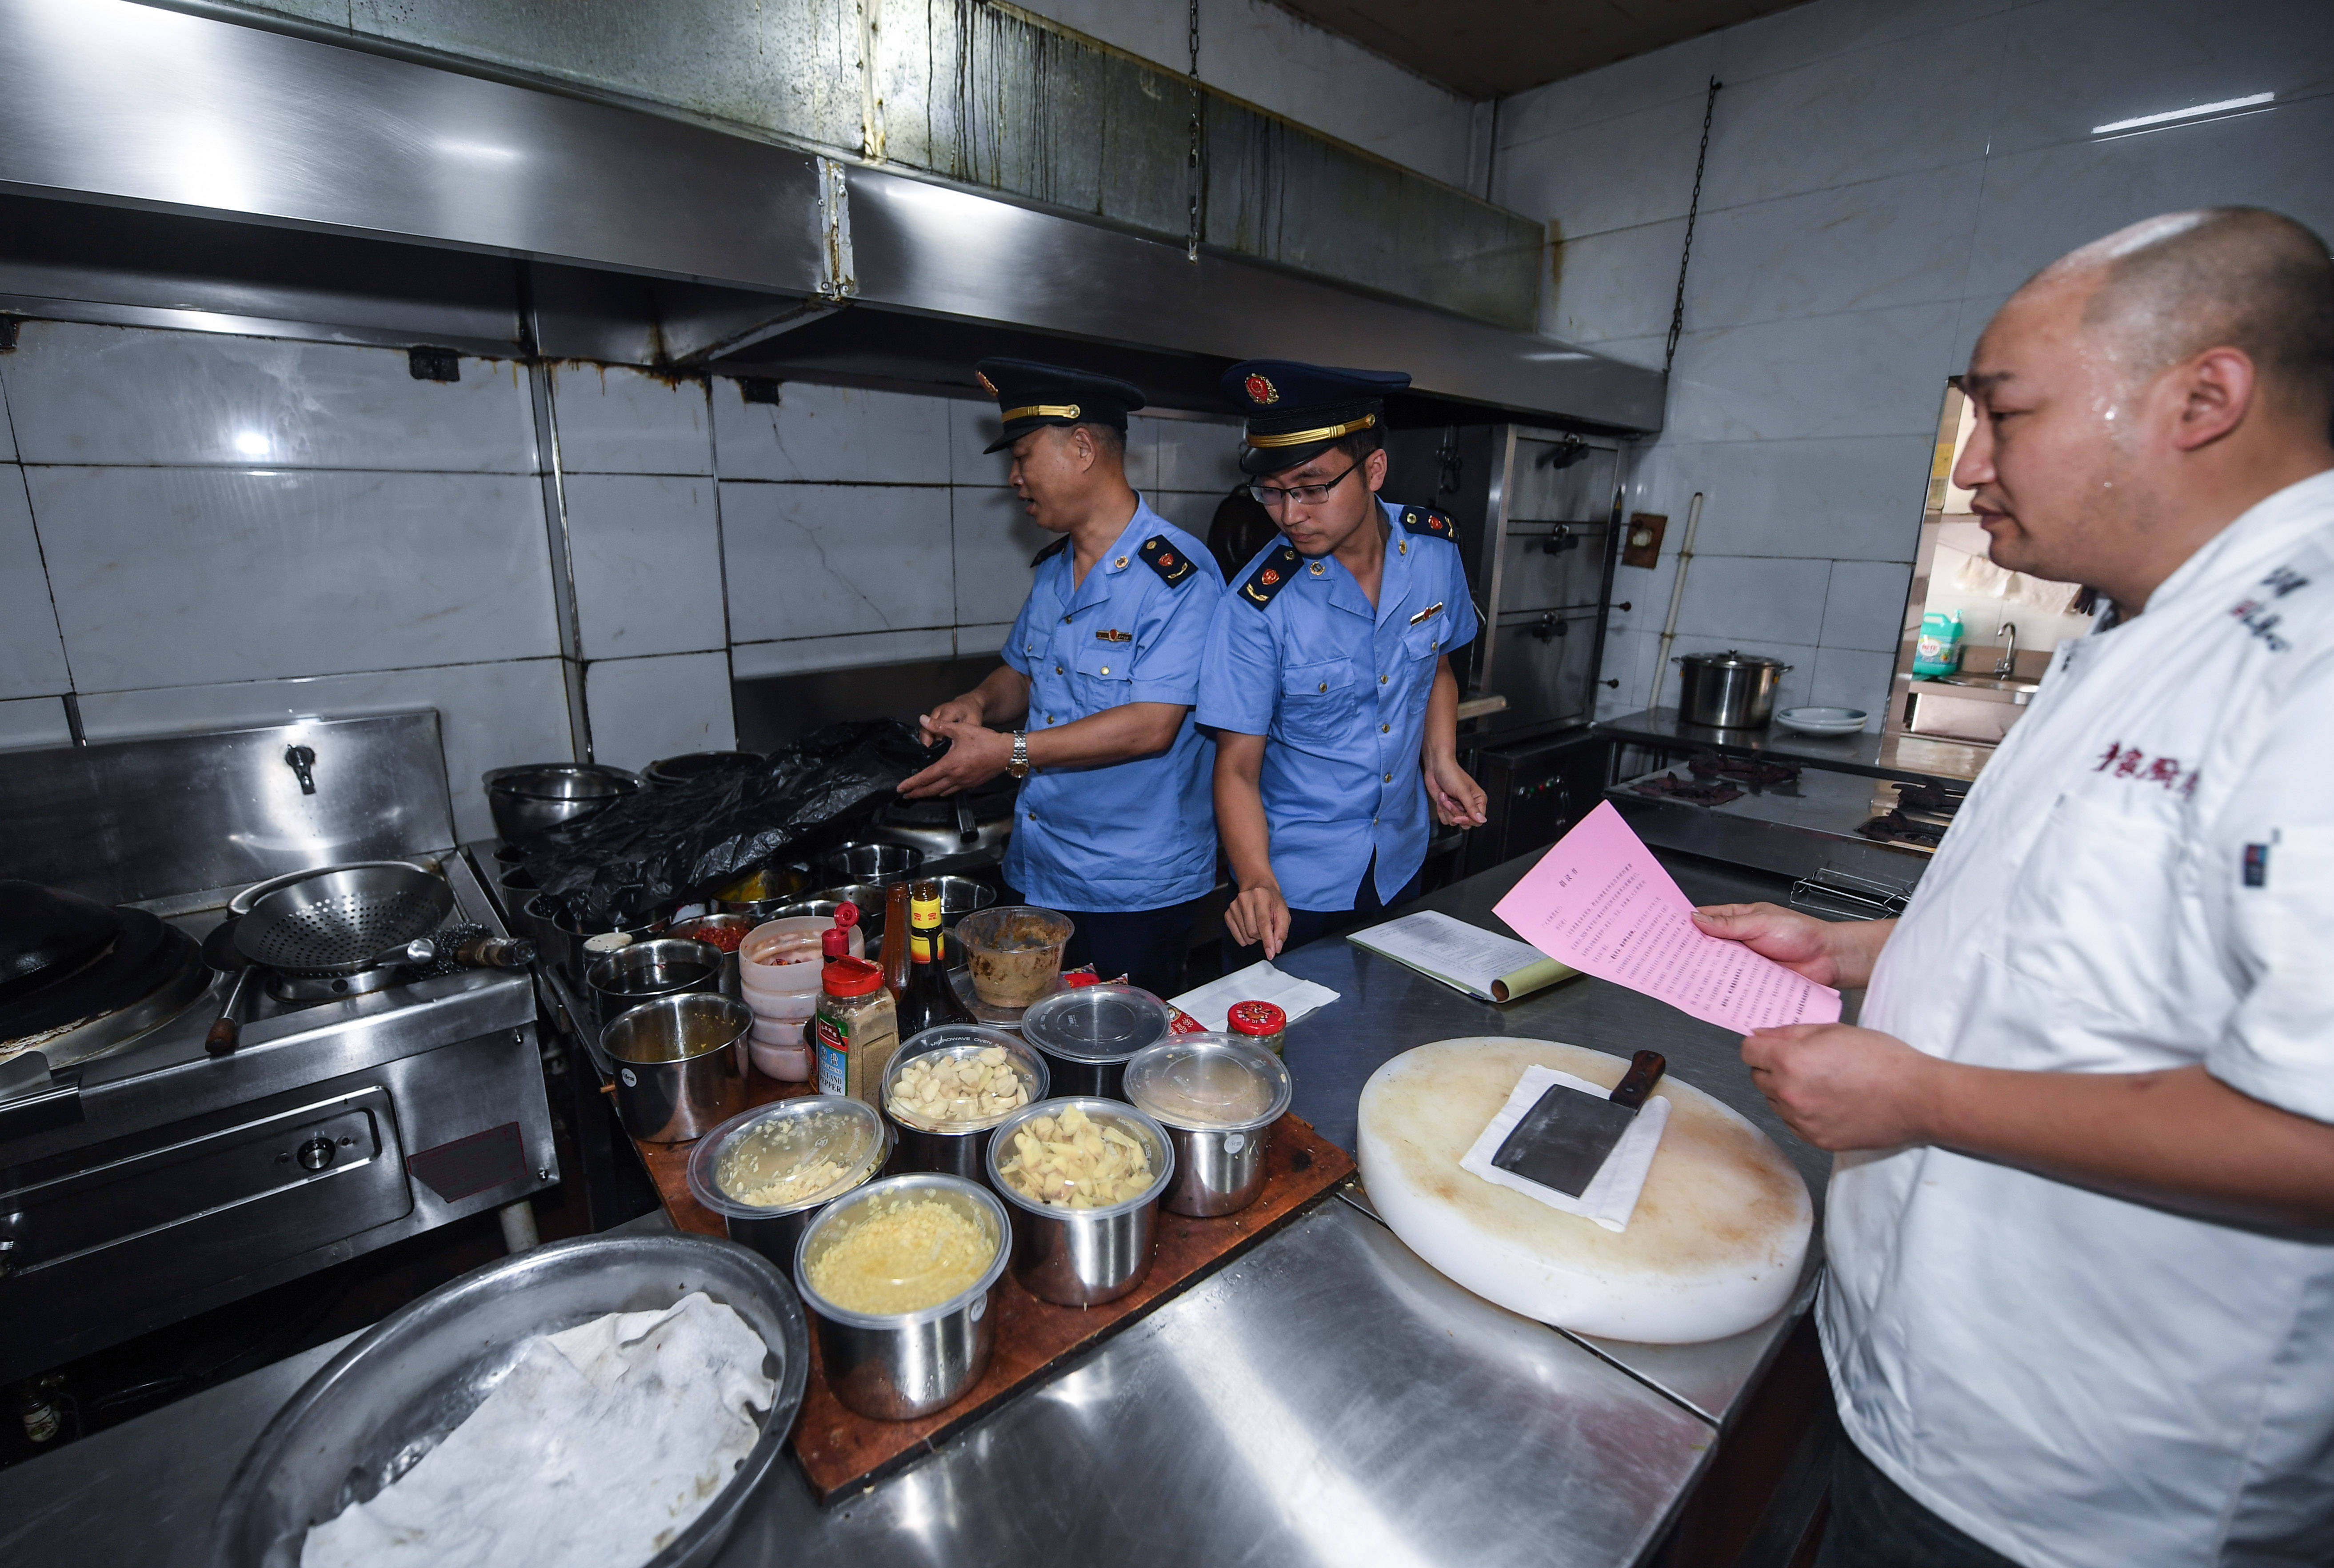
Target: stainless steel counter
{"points": [[1326, 1398], [1914, 757]]}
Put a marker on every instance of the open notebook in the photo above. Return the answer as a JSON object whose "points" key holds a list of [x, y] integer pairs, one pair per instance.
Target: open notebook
{"points": [[1465, 958]]}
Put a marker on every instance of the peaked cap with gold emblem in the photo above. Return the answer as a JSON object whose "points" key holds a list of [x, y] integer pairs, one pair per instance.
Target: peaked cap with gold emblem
{"points": [[1296, 410], [1031, 396]]}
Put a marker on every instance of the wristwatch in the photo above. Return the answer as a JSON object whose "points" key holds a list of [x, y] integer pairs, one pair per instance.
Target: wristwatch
{"points": [[1019, 767]]}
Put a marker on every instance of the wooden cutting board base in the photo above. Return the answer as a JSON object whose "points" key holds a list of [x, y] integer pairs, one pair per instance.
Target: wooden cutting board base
{"points": [[1714, 1247]]}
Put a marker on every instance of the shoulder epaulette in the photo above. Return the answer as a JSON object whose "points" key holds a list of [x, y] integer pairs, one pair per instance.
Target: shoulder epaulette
{"points": [[1049, 551], [1423, 520], [1269, 578], [1171, 565]]}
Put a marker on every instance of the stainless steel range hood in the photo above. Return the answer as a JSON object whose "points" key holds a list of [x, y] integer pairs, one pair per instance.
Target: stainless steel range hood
{"points": [[260, 182]]}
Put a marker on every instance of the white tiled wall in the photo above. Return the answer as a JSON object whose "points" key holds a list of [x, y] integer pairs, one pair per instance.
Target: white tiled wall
{"points": [[1882, 174], [200, 531]]}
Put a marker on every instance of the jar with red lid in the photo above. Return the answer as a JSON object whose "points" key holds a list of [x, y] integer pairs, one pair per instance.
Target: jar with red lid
{"points": [[1262, 1022], [857, 1026]]}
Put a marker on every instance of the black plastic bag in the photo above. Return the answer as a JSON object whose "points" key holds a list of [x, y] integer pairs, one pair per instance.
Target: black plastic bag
{"points": [[662, 847]]}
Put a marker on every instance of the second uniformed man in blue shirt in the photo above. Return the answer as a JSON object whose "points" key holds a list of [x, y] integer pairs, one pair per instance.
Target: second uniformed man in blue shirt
{"points": [[1101, 671], [1327, 679]]}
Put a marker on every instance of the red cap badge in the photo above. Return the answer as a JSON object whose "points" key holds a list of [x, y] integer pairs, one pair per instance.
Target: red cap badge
{"points": [[1260, 391], [1268, 577]]}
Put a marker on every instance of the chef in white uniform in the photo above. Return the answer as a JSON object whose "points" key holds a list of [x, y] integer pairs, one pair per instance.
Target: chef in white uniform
{"points": [[2080, 1311]]}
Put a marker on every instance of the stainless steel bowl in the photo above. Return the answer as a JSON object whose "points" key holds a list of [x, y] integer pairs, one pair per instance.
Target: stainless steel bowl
{"points": [[762, 892], [680, 1066], [860, 1138], [693, 929], [871, 898], [527, 799], [644, 971], [870, 862], [1088, 1033], [1084, 1256], [400, 1387], [959, 1148], [1206, 1090], [960, 897], [667, 770], [573, 933], [897, 1366]]}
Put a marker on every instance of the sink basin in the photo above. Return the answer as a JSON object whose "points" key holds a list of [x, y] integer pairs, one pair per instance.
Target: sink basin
{"points": [[2018, 691]]}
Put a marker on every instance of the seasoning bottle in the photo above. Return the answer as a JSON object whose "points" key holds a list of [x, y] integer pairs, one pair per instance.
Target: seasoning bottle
{"points": [[1262, 1023], [857, 1022], [929, 1000], [895, 939]]}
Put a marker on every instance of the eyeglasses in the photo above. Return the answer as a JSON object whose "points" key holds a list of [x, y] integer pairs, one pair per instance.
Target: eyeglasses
{"points": [[1273, 497]]}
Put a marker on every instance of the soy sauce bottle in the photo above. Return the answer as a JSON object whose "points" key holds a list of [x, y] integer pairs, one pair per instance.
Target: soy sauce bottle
{"points": [[928, 1000]]}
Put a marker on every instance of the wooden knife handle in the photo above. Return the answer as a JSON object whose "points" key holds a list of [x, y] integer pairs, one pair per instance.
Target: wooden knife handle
{"points": [[1646, 1070]]}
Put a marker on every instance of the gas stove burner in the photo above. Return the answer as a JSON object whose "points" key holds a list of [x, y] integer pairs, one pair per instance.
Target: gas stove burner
{"points": [[1693, 792], [1759, 774], [147, 977], [293, 987], [1898, 829]]}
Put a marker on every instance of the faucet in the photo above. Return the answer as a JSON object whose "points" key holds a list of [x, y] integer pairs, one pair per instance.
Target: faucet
{"points": [[2007, 665]]}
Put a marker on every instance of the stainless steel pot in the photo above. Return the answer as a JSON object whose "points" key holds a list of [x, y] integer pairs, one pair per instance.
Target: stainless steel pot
{"points": [[870, 862], [825, 1126], [897, 1366], [1084, 1256], [667, 770], [763, 892], [533, 796], [645, 971], [1728, 690], [959, 1148], [1087, 1034], [694, 929], [1206, 1091], [573, 933], [680, 1066]]}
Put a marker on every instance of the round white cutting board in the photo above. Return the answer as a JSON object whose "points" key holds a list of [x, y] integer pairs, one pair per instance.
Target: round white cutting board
{"points": [[1714, 1247]]}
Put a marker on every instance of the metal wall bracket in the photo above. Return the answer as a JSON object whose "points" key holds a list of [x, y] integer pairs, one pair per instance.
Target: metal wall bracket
{"points": [[838, 277]]}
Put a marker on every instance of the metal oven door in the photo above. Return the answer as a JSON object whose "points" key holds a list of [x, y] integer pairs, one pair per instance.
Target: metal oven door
{"points": [[1551, 565], [96, 1237], [1542, 663]]}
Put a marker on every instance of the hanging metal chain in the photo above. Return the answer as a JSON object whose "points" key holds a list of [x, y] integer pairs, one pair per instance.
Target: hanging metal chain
{"points": [[1677, 310], [1192, 173]]}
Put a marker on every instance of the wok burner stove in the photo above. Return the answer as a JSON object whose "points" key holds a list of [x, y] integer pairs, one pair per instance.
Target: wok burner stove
{"points": [[143, 1179], [1919, 818], [1717, 778]]}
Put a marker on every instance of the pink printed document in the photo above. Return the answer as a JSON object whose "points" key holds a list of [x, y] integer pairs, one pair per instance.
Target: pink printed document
{"points": [[1600, 902]]}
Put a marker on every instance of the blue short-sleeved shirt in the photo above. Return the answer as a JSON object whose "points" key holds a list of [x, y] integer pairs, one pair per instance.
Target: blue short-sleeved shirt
{"points": [[1128, 835], [1339, 690]]}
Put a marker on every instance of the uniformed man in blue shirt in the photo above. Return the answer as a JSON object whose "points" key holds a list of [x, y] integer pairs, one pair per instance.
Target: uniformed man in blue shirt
{"points": [[1327, 679], [1101, 670]]}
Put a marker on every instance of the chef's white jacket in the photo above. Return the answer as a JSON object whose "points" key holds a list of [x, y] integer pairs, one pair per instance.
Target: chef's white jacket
{"points": [[2142, 877]]}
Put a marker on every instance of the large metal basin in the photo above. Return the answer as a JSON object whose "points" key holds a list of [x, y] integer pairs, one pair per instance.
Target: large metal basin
{"points": [[397, 1392]]}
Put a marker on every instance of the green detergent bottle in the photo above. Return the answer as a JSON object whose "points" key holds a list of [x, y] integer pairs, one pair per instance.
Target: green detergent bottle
{"points": [[1938, 650]]}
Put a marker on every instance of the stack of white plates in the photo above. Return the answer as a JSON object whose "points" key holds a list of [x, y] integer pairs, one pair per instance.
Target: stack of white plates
{"points": [[1823, 720]]}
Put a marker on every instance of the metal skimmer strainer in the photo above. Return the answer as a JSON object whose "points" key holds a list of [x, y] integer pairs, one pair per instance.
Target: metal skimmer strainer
{"points": [[346, 920]]}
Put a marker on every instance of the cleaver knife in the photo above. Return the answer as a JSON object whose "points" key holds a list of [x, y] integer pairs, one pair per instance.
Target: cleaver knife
{"points": [[1563, 1141]]}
